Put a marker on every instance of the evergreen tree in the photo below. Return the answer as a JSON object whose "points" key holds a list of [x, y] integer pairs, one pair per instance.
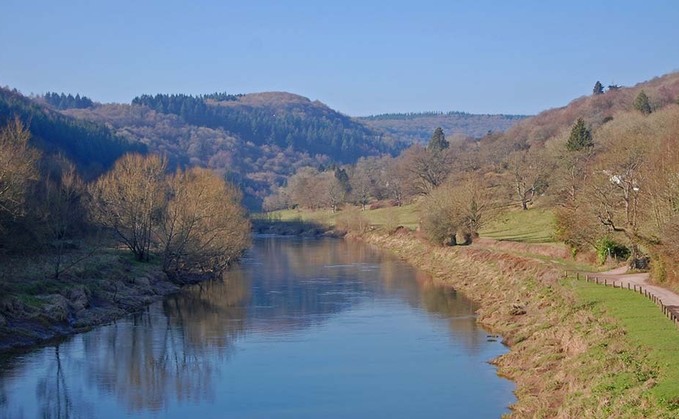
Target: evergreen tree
{"points": [[598, 88], [580, 137], [438, 141], [343, 179], [642, 104]]}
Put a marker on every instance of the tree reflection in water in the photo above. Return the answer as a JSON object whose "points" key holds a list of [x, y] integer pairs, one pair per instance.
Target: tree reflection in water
{"points": [[173, 353], [148, 362]]}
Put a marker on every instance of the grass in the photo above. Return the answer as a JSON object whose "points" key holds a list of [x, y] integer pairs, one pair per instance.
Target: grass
{"points": [[647, 328], [389, 217], [535, 225]]}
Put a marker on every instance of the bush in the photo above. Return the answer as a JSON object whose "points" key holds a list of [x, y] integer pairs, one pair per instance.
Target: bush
{"points": [[607, 247], [439, 222]]}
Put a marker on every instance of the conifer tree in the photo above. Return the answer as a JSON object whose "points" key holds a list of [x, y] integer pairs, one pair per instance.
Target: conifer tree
{"points": [[580, 137], [438, 141], [598, 88], [642, 104]]}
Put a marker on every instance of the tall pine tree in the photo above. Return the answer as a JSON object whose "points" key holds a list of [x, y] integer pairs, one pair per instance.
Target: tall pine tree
{"points": [[598, 88], [642, 104], [438, 141], [580, 137]]}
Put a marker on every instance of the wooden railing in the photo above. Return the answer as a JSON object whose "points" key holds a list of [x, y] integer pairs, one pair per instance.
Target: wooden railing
{"points": [[672, 312]]}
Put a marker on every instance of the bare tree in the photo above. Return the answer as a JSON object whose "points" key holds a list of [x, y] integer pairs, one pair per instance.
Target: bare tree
{"points": [[428, 168], [18, 167], [61, 213], [204, 227], [130, 199], [528, 172]]}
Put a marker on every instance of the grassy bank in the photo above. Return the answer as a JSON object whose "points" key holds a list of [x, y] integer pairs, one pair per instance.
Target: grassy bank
{"points": [[573, 352], [647, 329]]}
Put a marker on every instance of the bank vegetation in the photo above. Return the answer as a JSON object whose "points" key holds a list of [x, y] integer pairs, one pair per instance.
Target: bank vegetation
{"points": [[70, 247]]}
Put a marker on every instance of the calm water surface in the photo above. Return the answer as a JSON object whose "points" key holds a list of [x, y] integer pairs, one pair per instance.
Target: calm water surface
{"points": [[303, 328]]}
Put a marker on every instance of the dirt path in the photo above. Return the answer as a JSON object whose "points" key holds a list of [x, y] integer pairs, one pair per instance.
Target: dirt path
{"points": [[621, 278]]}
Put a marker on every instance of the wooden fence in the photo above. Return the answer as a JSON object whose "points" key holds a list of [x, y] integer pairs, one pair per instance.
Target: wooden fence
{"points": [[672, 312]]}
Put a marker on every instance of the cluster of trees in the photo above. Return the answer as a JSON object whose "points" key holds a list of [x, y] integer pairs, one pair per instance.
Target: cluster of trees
{"points": [[306, 126], [191, 219], [254, 169], [454, 203], [63, 101], [623, 189]]}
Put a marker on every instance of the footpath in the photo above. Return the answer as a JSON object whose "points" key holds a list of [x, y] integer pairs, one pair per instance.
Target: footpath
{"points": [[639, 282]]}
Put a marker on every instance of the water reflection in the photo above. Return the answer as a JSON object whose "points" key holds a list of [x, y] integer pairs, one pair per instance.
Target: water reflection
{"points": [[174, 354]]}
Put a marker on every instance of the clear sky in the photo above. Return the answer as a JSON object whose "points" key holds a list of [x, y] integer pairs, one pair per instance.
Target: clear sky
{"points": [[359, 57]]}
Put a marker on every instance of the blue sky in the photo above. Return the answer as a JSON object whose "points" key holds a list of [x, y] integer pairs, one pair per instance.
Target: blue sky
{"points": [[359, 57]]}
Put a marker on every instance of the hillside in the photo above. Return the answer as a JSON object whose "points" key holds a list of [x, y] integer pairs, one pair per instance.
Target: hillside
{"points": [[418, 127], [595, 110], [604, 167], [257, 140], [91, 146]]}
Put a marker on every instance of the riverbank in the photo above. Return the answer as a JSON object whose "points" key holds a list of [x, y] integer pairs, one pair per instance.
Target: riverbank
{"points": [[36, 308], [104, 284], [567, 358]]}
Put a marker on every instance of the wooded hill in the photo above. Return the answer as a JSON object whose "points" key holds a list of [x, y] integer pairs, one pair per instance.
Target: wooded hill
{"points": [[256, 140], [92, 147], [417, 127]]}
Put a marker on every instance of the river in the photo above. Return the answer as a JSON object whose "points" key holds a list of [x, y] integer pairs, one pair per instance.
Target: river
{"points": [[301, 328]]}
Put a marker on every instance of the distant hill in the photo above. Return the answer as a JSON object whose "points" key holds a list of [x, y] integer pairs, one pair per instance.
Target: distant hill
{"points": [[93, 147], [418, 127], [256, 140]]}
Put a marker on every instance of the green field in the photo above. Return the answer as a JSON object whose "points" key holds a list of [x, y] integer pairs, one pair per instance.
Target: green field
{"points": [[406, 216], [647, 328], [535, 225]]}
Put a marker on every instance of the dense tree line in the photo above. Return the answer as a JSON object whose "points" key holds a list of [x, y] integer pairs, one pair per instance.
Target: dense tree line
{"points": [[63, 101], [91, 146]]}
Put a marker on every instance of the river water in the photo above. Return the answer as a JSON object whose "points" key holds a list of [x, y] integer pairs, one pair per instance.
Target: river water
{"points": [[302, 328]]}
